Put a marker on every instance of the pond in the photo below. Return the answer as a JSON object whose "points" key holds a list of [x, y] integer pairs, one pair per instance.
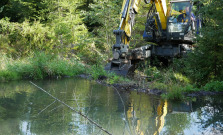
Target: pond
{"points": [[25, 109]]}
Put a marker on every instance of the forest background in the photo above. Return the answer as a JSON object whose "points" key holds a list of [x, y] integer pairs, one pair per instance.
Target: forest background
{"points": [[48, 38]]}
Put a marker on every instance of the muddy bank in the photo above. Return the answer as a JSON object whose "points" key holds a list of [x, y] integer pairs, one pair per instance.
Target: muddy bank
{"points": [[130, 87], [123, 87], [202, 93]]}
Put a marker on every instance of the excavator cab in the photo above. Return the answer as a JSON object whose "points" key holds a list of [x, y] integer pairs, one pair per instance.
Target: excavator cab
{"points": [[180, 20]]}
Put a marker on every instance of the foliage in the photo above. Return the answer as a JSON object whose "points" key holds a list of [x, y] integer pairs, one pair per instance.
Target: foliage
{"points": [[48, 38], [8, 75], [139, 26], [62, 31], [19, 10], [214, 86], [113, 78], [169, 80], [22, 39], [174, 94], [153, 73], [190, 88], [96, 71], [166, 76], [205, 63], [39, 66], [158, 85], [102, 18]]}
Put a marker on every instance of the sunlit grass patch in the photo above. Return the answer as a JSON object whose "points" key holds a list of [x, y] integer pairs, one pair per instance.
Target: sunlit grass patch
{"points": [[173, 83], [39, 66]]}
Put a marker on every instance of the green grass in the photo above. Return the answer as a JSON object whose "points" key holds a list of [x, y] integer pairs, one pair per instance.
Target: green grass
{"points": [[39, 66], [173, 83], [113, 78], [6, 75], [98, 71], [176, 84]]}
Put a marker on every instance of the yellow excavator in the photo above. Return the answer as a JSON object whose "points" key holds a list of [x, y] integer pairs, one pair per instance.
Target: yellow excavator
{"points": [[171, 25]]}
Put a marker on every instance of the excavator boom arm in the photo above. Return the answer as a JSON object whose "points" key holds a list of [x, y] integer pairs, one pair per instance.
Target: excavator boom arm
{"points": [[122, 59], [130, 8]]}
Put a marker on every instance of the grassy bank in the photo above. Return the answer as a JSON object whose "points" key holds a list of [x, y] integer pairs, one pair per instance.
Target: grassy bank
{"points": [[41, 65], [175, 84], [38, 66]]}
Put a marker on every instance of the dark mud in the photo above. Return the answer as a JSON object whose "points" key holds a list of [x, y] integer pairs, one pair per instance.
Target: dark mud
{"points": [[123, 87], [203, 93]]}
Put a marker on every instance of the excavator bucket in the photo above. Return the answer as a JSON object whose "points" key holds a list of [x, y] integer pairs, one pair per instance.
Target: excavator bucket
{"points": [[124, 70], [126, 67]]}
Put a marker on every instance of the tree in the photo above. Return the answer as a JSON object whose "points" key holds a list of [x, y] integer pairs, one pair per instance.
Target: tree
{"points": [[19, 10], [206, 62], [102, 19], [41, 25]]}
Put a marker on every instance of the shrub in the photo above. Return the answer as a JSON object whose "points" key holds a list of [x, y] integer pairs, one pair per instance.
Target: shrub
{"points": [[113, 78], [205, 62], [8, 75], [96, 71], [61, 67], [214, 86], [154, 73]]}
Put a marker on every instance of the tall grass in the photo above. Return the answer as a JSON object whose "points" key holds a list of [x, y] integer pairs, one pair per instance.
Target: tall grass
{"points": [[176, 84], [170, 81], [39, 66], [97, 72]]}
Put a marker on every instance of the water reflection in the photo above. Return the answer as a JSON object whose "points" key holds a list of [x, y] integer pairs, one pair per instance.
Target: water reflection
{"points": [[26, 110]]}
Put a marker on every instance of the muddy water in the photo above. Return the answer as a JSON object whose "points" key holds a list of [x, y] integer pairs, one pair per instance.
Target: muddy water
{"points": [[26, 110]]}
